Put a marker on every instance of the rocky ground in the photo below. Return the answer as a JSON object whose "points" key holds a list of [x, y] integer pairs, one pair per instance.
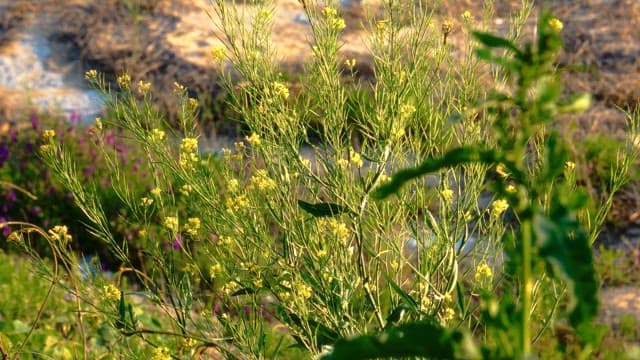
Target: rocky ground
{"points": [[47, 45]]}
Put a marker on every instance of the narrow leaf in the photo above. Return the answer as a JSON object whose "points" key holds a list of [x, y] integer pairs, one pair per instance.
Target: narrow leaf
{"points": [[323, 209]]}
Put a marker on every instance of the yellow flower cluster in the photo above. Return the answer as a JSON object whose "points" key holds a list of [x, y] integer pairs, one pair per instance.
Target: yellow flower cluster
{"points": [[355, 158], [448, 314], [447, 195], [447, 27], [145, 201], [502, 171], [262, 181], [350, 63], [144, 87], [171, 223], [498, 207], [91, 74], [333, 20], [60, 233], [193, 104], [336, 228], [188, 153], [236, 203], [124, 81], [161, 353], [48, 135], [483, 272], [215, 270], [110, 293], [156, 191], [555, 24], [406, 110], [302, 290], [192, 226], [186, 189], [253, 139], [569, 165], [233, 185], [280, 90], [218, 53], [156, 135]]}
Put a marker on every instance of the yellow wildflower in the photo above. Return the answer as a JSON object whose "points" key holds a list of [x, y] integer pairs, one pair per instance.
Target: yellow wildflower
{"points": [[466, 16], [98, 123], [330, 11], [448, 314], [447, 27], [189, 145], [232, 185], [280, 89], [499, 206], [193, 103], [186, 189], [144, 87], [192, 226], [171, 223], [555, 24], [218, 53], [156, 135], [338, 229], [253, 139], [156, 191], [569, 165], [124, 81], [60, 233], [483, 272], [110, 293], [406, 110], [355, 158], [350, 63], [500, 169], [215, 270], [45, 149], [447, 195], [302, 290], [262, 181], [160, 353], [48, 135], [91, 74], [145, 201]]}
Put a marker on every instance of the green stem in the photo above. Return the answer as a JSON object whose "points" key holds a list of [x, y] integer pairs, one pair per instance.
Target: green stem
{"points": [[526, 288]]}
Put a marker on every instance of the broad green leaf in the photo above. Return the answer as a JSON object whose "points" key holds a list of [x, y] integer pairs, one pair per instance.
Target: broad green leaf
{"points": [[419, 339], [565, 248], [323, 209]]}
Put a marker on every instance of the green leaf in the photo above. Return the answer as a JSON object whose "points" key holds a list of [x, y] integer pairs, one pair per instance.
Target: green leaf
{"points": [[493, 41], [408, 300], [323, 209], [422, 339], [452, 158], [122, 312], [565, 248]]}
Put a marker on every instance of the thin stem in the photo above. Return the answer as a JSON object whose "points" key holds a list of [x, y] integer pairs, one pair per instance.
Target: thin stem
{"points": [[526, 287]]}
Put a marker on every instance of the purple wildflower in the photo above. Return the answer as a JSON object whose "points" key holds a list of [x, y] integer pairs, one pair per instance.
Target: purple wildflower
{"points": [[4, 154], [177, 242], [11, 196], [35, 123]]}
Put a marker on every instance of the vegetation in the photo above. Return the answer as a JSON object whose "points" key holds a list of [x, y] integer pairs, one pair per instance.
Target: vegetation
{"points": [[418, 216]]}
